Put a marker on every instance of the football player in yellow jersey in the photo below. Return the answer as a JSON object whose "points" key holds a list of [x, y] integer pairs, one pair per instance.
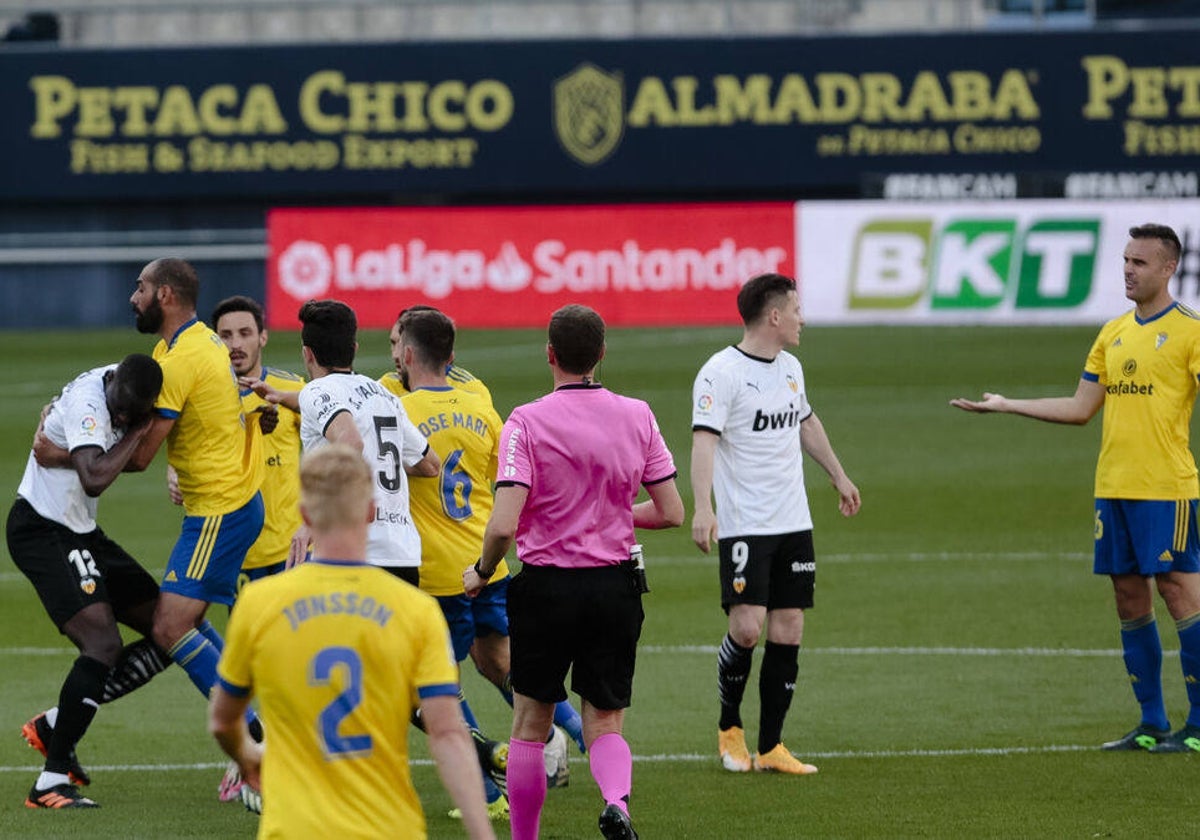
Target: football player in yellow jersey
{"points": [[1143, 369], [451, 511], [339, 654], [238, 321], [217, 457], [456, 376]]}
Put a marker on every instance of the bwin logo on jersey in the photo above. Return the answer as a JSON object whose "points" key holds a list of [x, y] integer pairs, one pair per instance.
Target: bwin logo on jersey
{"points": [[778, 420]]}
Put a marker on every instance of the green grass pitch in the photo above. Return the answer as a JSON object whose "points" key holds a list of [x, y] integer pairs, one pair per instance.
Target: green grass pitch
{"points": [[959, 670]]}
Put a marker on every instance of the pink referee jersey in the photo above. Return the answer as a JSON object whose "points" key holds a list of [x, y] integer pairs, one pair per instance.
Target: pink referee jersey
{"points": [[583, 452]]}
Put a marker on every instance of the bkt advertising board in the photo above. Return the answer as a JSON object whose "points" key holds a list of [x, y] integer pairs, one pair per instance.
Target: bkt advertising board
{"points": [[1020, 262]]}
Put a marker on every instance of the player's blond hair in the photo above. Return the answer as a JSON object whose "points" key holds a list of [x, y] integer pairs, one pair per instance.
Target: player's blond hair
{"points": [[335, 487]]}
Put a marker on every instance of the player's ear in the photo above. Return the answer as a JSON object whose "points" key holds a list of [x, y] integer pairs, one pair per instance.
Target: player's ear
{"points": [[370, 511], [262, 339], [304, 515]]}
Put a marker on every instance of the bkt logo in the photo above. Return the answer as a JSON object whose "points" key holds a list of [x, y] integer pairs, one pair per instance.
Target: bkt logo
{"points": [[973, 263]]}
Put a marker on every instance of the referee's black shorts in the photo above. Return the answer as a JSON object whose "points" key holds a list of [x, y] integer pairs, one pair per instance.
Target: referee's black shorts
{"points": [[586, 620], [71, 571]]}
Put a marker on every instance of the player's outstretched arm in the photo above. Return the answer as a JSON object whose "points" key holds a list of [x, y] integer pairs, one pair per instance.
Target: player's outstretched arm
{"points": [[1076, 409], [288, 399], [457, 763]]}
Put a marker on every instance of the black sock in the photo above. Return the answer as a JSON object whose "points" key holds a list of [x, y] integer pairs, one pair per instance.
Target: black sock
{"points": [[136, 665], [733, 668], [776, 685], [77, 704]]}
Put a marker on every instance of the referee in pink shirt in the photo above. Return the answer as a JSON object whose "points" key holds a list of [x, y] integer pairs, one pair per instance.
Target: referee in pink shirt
{"points": [[571, 466]]}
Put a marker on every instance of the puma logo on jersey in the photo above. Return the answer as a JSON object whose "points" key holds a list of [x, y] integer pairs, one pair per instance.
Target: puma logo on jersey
{"points": [[778, 420]]}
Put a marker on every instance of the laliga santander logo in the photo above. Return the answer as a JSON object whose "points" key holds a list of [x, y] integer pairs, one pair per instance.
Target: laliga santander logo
{"points": [[308, 269]]}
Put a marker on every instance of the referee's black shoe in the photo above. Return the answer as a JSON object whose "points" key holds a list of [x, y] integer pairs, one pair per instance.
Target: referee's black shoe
{"points": [[615, 825]]}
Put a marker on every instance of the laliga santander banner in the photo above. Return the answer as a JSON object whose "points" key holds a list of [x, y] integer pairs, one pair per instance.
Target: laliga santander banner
{"points": [[637, 265]]}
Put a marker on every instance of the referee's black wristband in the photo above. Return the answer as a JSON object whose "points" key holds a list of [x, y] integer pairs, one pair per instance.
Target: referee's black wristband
{"points": [[480, 572]]}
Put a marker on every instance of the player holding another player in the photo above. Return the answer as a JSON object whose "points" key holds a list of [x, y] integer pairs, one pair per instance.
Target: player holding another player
{"points": [[751, 420], [217, 457], [1142, 369], [86, 582], [338, 654]]}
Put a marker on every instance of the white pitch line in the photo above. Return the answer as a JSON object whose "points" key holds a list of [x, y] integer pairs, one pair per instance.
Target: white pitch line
{"points": [[660, 758], [911, 651], [898, 557], [711, 650]]}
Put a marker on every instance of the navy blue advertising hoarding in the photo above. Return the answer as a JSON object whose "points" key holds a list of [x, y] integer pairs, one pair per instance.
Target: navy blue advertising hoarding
{"points": [[589, 117]]}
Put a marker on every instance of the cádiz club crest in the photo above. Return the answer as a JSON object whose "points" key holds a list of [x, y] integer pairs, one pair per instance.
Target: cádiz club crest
{"points": [[589, 113]]}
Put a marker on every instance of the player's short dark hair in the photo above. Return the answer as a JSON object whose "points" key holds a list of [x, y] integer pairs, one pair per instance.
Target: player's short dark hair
{"points": [[577, 336], [239, 303], [138, 379], [180, 275], [758, 294], [1163, 234], [330, 331], [429, 332]]}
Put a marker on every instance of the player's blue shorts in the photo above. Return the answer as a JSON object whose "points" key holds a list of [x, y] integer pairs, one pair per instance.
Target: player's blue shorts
{"points": [[208, 555], [468, 618], [1145, 537]]}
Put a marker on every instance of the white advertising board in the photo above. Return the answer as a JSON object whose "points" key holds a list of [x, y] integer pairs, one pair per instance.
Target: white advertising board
{"points": [[1011, 262]]}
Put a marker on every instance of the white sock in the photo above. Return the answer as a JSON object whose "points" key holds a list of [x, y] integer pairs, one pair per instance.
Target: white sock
{"points": [[48, 780]]}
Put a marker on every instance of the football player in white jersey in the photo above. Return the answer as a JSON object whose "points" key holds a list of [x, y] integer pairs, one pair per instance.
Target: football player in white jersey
{"points": [[751, 420], [86, 582], [338, 405]]}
